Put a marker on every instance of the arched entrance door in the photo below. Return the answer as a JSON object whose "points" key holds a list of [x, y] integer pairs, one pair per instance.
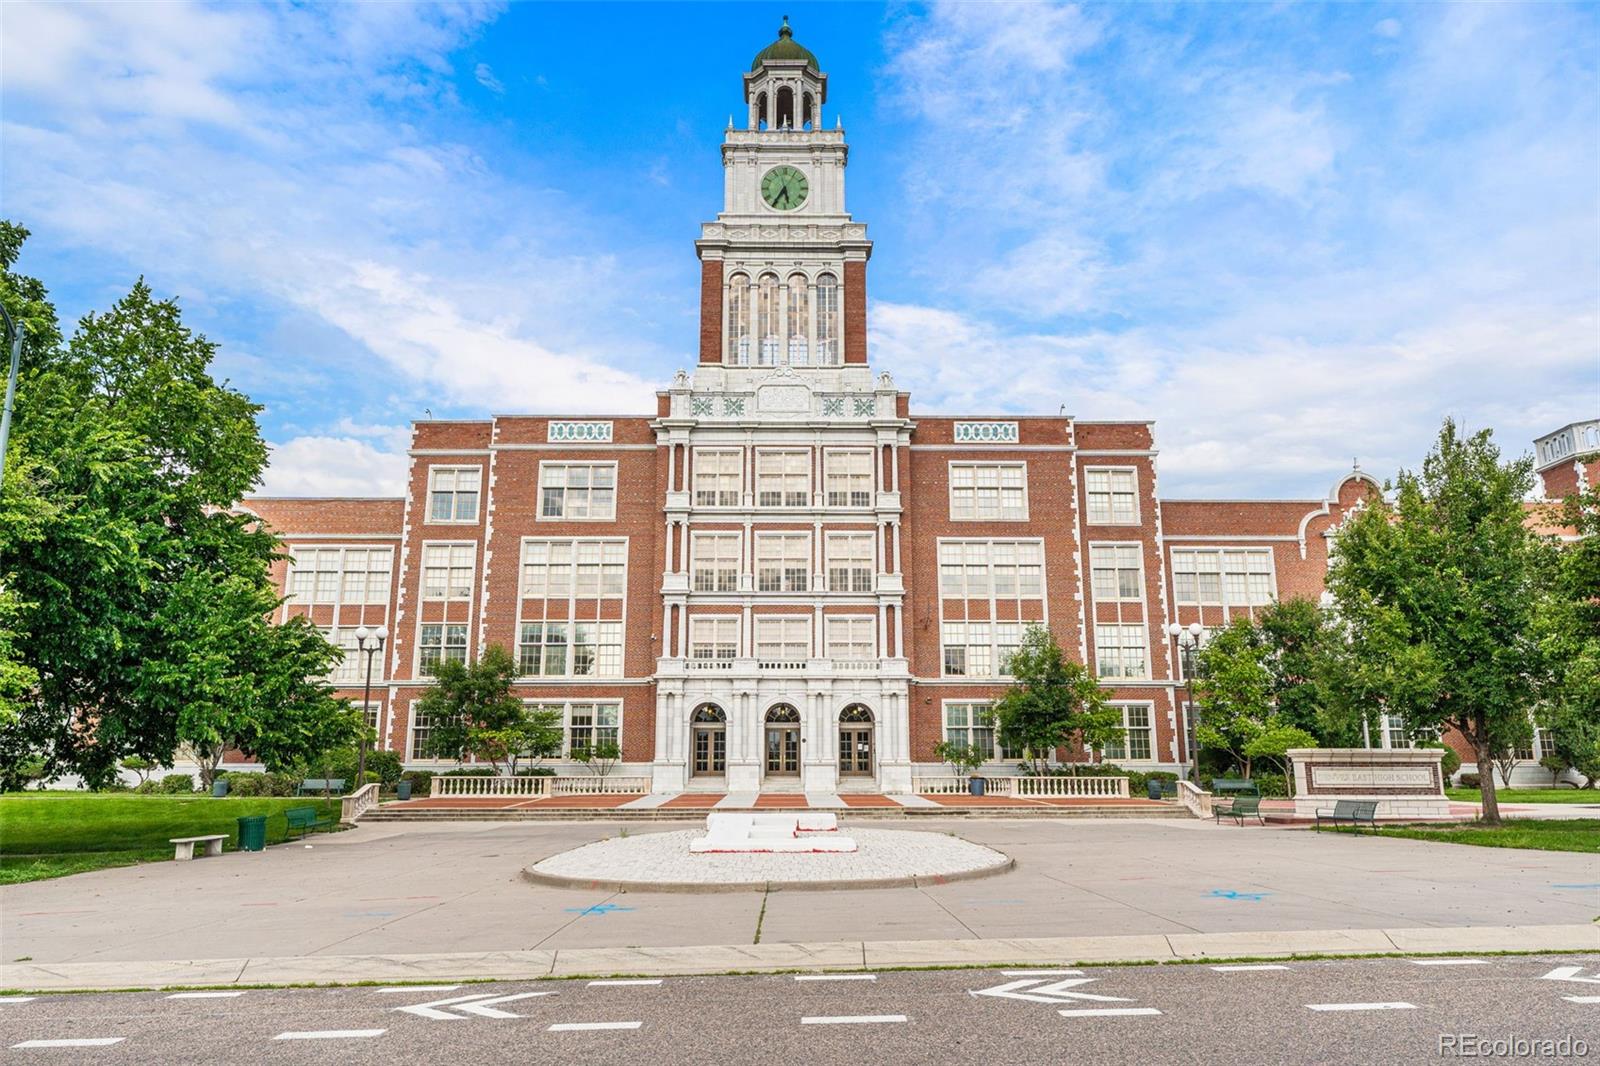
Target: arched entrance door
{"points": [[783, 741], [710, 741], [855, 741]]}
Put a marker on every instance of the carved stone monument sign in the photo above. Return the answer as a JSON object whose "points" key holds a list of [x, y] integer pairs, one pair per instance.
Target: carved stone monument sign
{"points": [[1406, 782]]}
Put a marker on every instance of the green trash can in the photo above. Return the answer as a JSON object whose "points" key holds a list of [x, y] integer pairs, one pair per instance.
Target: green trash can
{"points": [[403, 790], [253, 832], [219, 788]]}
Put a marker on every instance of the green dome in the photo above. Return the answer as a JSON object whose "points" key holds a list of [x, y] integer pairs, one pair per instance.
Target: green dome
{"points": [[785, 48]]}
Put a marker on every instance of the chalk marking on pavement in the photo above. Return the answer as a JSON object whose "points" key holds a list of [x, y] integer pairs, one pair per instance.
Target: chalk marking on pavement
{"points": [[86, 1041], [852, 1019], [835, 977], [1246, 968], [587, 1027], [1040, 973], [331, 1034], [204, 995], [1449, 962], [1582, 999], [1361, 1006], [419, 988], [1107, 1012], [615, 981]]}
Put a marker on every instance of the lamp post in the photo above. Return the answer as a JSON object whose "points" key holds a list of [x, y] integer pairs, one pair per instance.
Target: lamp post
{"points": [[1188, 638], [369, 642], [13, 330]]}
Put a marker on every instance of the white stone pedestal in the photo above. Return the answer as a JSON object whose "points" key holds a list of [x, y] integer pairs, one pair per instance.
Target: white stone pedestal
{"points": [[1406, 783]]}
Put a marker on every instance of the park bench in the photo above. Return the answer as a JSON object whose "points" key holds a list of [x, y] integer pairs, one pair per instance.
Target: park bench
{"points": [[1240, 808], [183, 847], [305, 819], [1233, 786], [314, 785], [1353, 811]]}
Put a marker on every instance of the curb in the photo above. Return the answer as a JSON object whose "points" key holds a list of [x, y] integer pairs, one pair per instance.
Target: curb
{"points": [[696, 888]]}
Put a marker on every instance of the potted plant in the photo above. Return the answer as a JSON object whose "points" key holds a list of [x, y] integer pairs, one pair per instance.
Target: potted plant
{"points": [[963, 759]]}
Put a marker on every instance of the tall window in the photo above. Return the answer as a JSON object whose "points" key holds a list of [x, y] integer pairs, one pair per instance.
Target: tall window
{"points": [[715, 561], [1113, 495], [739, 320], [1004, 569], [1395, 734], [718, 474], [1007, 639], [714, 639], [828, 321], [366, 575], [799, 320], [580, 568], [570, 649], [453, 493], [1118, 571], [421, 732], [783, 561], [437, 642], [971, 724], [767, 319], [1136, 742], [1120, 651], [340, 575], [447, 571], [988, 492], [314, 575], [783, 640], [543, 649], [850, 562], [578, 491], [967, 650], [1231, 577], [851, 637], [783, 478], [592, 724], [847, 478], [346, 671]]}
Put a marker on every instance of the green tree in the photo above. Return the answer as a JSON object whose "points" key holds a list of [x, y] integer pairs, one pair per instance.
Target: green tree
{"points": [[1569, 635], [1233, 691], [1052, 702], [475, 713], [1437, 595]]}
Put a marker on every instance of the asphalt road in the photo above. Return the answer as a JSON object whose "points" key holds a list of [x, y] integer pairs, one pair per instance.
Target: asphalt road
{"points": [[1338, 1011]]}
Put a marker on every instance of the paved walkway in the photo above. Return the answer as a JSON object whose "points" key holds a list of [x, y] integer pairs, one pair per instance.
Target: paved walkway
{"points": [[769, 801]]}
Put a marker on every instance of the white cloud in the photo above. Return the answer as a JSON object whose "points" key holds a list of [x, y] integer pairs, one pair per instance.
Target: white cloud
{"points": [[334, 466], [485, 75]]}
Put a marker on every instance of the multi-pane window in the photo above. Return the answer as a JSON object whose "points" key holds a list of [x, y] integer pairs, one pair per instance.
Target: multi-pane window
{"points": [[799, 320], [1121, 651], [1395, 734], [346, 671], [447, 571], [739, 320], [988, 491], [783, 561], [978, 569], [1118, 572], [453, 493], [1007, 639], [571, 649], [1113, 495], [437, 642], [783, 478], [340, 575], [850, 562], [767, 317], [847, 478], [314, 575], [853, 637], [783, 640], [1136, 742], [828, 320], [592, 724], [581, 568], [967, 649], [971, 724], [578, 491], [714, 639], [1237, 577], [718, 477], [714, 561], [421, 731]]}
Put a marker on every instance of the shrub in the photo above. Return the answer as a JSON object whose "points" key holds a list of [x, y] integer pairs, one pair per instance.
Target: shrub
{"points": [[1449, 763], [148, 787], [1161, 775], [1270, 784], [1470, 780], [177, 783], [246, 784], [384, 766], [469, 771], [421, 781]]}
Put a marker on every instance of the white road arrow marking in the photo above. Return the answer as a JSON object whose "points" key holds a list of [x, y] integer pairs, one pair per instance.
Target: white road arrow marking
{"points": [[478, 1004], [1570, 973], [1045, 991]]}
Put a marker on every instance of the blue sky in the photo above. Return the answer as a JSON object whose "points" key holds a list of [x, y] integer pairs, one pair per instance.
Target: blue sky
{"points": [[1293, 235]]}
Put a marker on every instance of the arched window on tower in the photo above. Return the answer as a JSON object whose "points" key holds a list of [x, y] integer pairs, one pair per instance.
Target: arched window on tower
{"points": [[799, 321], [767, 312], [761, 111], [828, 320], [785, 112], [808, 112], [738, 320]]}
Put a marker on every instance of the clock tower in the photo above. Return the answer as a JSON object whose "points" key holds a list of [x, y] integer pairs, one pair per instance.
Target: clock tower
{"points": [[783, 268]]}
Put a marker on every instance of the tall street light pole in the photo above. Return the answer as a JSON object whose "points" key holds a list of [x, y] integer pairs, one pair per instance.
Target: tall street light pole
{"points": [[1188, 638], [370, 643], [14, 335]]}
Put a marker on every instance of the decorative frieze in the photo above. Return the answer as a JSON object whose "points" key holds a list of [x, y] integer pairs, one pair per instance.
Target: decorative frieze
{"points": [[585, 432], [986, 433]]}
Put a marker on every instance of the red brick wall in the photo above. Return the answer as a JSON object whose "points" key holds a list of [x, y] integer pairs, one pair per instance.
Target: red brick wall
{"points": [[711, 310], [855, 312]]}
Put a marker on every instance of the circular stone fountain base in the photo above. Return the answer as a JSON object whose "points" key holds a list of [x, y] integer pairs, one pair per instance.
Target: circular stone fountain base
{"points": [[661, 862]]}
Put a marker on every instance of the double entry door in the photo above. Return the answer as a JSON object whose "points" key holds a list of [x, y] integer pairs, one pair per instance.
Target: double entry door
{"points": [[710, 750], [783, 750], [855, 751]]}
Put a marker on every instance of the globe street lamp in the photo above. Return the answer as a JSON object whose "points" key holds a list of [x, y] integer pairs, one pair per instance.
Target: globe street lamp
{"points": [[369, 642], [1188, 638]]}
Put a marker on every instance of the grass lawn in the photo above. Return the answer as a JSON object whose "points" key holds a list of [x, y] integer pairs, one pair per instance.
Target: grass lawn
{"points": [[1529, 795], [52, 834], [1576, 834]]}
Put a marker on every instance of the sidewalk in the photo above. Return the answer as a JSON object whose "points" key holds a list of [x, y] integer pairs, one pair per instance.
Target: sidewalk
{"points": [[688, 802], [836, 956]]}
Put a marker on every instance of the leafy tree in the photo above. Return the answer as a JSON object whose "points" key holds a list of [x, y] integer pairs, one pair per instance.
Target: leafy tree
{"points": [[476, 714], [1052, 702], [601, 758], [1233, 691], [963, 758], [1569, 634], [1273, 743], [1297, 633], [1437, 594]]}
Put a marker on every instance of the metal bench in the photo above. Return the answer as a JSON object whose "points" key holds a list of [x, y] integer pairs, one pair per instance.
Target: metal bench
{"points": [[1239, 808], [314, 785], [1233, 786], [305, 819], [1356, 812], [183, 847]]}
